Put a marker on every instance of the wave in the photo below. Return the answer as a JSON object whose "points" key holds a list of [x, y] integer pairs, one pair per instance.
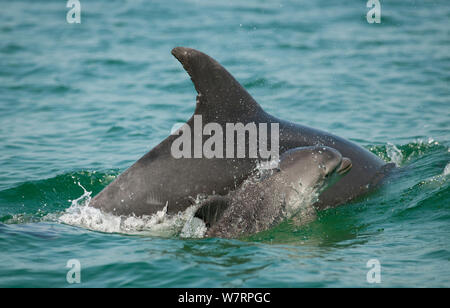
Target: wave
{"points": [[183, 224], [33, 200], [65, 198], [402, 154]]}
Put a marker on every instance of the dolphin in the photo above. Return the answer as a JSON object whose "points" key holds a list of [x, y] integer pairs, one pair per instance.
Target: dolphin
{"points": [[159, 180], [262, 202]]}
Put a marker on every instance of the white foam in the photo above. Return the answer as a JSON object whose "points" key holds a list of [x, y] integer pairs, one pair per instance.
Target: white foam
{"points": [[159, 224], [394, 154]]}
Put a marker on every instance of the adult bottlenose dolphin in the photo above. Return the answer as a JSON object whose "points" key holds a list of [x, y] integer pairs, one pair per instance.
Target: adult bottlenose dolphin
{"points": [[159, 179], [263, 202]]}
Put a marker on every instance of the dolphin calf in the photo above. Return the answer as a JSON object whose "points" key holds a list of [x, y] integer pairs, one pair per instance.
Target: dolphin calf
{"points": [[263, 202], [160, 179]]}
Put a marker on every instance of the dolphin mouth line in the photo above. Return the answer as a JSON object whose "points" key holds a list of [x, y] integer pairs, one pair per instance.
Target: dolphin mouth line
{"points": [[346, 165]]}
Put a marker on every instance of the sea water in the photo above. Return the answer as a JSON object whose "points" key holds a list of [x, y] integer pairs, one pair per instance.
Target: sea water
{"points": [[79, 103]]}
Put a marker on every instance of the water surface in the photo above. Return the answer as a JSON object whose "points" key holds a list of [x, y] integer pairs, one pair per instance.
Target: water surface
{"points": [[79, 103]]}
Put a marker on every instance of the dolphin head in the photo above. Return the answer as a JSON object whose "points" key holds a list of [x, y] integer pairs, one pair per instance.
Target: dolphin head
{"points": [[315, 167]]}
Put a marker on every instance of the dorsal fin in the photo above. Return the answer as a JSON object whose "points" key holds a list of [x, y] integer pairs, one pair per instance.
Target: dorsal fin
{"points": [[218, 92]]}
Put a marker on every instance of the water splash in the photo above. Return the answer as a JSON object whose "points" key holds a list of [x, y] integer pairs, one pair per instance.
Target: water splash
{"points": [[85, 198], [194, 228], [409, 152], [299, 207], [394, 154], [446, 170], [161, 223]]}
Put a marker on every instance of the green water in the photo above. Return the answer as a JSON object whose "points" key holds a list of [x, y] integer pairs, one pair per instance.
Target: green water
{"points": [[79, 103]]}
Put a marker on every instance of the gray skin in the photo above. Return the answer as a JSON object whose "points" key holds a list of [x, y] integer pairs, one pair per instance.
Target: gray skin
{"points": [[261, 203], [158, 179]]}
